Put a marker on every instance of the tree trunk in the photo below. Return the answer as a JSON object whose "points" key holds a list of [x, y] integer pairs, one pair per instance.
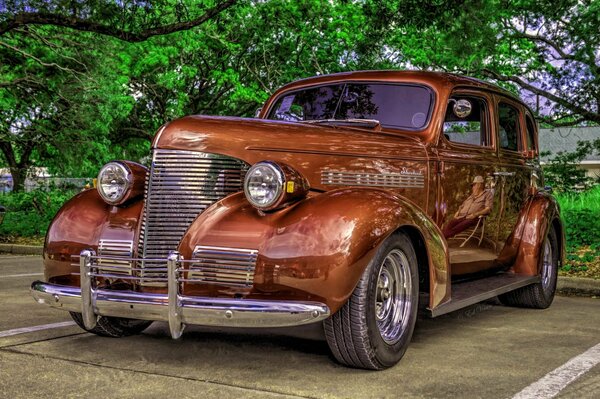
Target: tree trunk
{"points": [[18, 177]]}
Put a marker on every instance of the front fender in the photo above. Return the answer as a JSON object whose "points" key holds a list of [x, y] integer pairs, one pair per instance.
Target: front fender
{"points": [[319, 247], [80, 224]]}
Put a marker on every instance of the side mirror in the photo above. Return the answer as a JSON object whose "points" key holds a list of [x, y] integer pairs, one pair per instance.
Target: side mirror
{"points": [[462, 108], [257, 113]]}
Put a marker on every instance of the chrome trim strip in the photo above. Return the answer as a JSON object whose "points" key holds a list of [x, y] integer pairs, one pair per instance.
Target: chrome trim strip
{"points": [[391, 180], [110, 250], [218, 312], [224, 266]]}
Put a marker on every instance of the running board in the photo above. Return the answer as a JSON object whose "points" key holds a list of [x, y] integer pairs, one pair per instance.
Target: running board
{"points": [[472, 292]]}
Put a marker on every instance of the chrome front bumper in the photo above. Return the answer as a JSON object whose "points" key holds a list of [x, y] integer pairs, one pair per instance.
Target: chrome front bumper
{"points": [[178, 310]]}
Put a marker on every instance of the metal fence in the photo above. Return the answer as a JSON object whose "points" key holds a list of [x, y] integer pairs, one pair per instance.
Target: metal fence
{"points": [[46, 183]]}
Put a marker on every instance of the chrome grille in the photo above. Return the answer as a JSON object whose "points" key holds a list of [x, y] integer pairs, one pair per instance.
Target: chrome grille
{"points": [[112, 250], [180, 186], [226, 266]]}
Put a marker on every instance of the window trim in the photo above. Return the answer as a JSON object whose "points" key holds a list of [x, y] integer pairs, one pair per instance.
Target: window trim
{"points": [[519, 108], [430, 111], [536, 151], [487, 100]]}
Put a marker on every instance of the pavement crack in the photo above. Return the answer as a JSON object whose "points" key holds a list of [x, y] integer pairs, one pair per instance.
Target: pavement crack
{"points": [[12, 349], [39, 340]]}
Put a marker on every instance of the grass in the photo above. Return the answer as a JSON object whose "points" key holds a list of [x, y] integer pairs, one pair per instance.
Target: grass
{"points": [[589, 200], [581, 213]]}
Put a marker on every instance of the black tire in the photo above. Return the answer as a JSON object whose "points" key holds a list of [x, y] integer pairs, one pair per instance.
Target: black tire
{"points": [[539, 295], [114, 327], [364, 333]]}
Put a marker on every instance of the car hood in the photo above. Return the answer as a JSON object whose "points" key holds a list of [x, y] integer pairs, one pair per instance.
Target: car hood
{"points": [[315, 151], [239, 137]]}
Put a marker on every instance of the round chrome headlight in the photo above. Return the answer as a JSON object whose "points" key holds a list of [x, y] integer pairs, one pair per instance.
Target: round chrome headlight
{"points": [[264, 184], [114, 180]]}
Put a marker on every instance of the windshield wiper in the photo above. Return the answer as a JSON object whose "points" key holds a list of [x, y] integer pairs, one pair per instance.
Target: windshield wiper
{"points": [[372, 123]]}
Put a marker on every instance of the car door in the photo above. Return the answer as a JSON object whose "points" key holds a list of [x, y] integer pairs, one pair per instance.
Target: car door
{"points": [[516, 165], [468, 157]]}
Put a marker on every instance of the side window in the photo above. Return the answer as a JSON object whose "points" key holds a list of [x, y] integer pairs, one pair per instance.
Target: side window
{"points": [[508, 123], [530, 133], [470, 129]]}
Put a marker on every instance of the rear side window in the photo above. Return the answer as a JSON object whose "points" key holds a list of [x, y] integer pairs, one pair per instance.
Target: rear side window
{"points": [[530, 133], [508, 124]]}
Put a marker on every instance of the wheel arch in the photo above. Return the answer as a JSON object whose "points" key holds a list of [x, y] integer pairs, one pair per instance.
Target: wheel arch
{"points": [[420, 247], [543, 214]]}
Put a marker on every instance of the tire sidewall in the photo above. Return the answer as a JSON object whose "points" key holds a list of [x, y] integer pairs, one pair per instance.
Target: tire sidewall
{"points": [[387, 354], [548, 292]]}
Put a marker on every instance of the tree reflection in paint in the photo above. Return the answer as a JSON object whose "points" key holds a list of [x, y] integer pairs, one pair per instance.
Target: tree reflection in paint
{"points": [[394, 105]]}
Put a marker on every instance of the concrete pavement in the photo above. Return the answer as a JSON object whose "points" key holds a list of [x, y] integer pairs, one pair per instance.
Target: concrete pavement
{"points": [[486, 351]]}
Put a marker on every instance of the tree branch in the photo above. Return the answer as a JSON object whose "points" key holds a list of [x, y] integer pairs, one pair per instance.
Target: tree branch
{"points": [[588, 115], [39, 61], [555, 123], [39, 18]]}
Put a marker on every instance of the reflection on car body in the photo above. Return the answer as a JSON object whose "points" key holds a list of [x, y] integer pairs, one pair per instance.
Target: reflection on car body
{"points": [[335, 205]]}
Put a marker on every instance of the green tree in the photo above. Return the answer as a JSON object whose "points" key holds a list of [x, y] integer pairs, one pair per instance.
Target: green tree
{"points": [[563, 173], [546, 49], [64, 89]]}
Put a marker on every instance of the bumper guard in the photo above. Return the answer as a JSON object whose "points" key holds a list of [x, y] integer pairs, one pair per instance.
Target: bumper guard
{"points": [[174, 308]]}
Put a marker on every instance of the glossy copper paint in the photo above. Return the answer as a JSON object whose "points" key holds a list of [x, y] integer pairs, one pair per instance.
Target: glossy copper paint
{"points": [[537, 218], [83, 221], [319, 246], [316, 248]]}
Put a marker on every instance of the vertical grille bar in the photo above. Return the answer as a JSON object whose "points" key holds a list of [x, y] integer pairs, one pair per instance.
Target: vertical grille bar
{"points": [[181, 185]]}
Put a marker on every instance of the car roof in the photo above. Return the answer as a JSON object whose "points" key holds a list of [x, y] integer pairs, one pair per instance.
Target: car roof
{"points": [[435, 79]]}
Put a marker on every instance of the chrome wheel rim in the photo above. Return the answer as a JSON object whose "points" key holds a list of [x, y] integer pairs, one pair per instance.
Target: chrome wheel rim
{"points": [[547, 265], [393, 303]]}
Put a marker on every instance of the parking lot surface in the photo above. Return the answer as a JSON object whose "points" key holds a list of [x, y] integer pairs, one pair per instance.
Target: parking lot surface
{"points": [[486, 351]]}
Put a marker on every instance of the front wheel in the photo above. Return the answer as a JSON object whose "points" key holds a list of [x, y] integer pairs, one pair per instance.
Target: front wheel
{"points": [[114, 327], [373, 329], [540, 295]]}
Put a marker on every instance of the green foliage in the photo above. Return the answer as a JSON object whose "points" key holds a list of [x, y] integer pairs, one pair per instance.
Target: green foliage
{"points": [[92, 81], [29, 214], [580, 213], [546, 48], [563, 173]]}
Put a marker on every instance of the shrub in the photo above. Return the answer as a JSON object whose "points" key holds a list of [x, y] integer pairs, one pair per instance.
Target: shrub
{"points": [[29, 214], [563, 172], [580, 213]]}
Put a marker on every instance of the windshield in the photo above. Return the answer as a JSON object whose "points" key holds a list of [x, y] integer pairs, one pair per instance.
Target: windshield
{"points": [[394, 105]]}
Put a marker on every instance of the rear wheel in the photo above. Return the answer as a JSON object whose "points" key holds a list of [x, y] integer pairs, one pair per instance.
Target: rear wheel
{"points": [[539, 295], [114, 327], [373, 329]]}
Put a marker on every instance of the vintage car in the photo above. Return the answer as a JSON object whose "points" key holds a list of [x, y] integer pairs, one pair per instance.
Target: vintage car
{"points": [[350, 200]]}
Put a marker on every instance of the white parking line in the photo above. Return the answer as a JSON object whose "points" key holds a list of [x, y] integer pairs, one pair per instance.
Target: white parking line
{"points": [[25, 330], [22, 275], [555, 381]]}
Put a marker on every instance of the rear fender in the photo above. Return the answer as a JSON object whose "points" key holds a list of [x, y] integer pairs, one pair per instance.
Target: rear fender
{"points": [[320, 246], [523, 248]]}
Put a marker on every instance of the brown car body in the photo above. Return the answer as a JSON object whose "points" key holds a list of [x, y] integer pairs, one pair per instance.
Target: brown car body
{"points": [[315, 248]]}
